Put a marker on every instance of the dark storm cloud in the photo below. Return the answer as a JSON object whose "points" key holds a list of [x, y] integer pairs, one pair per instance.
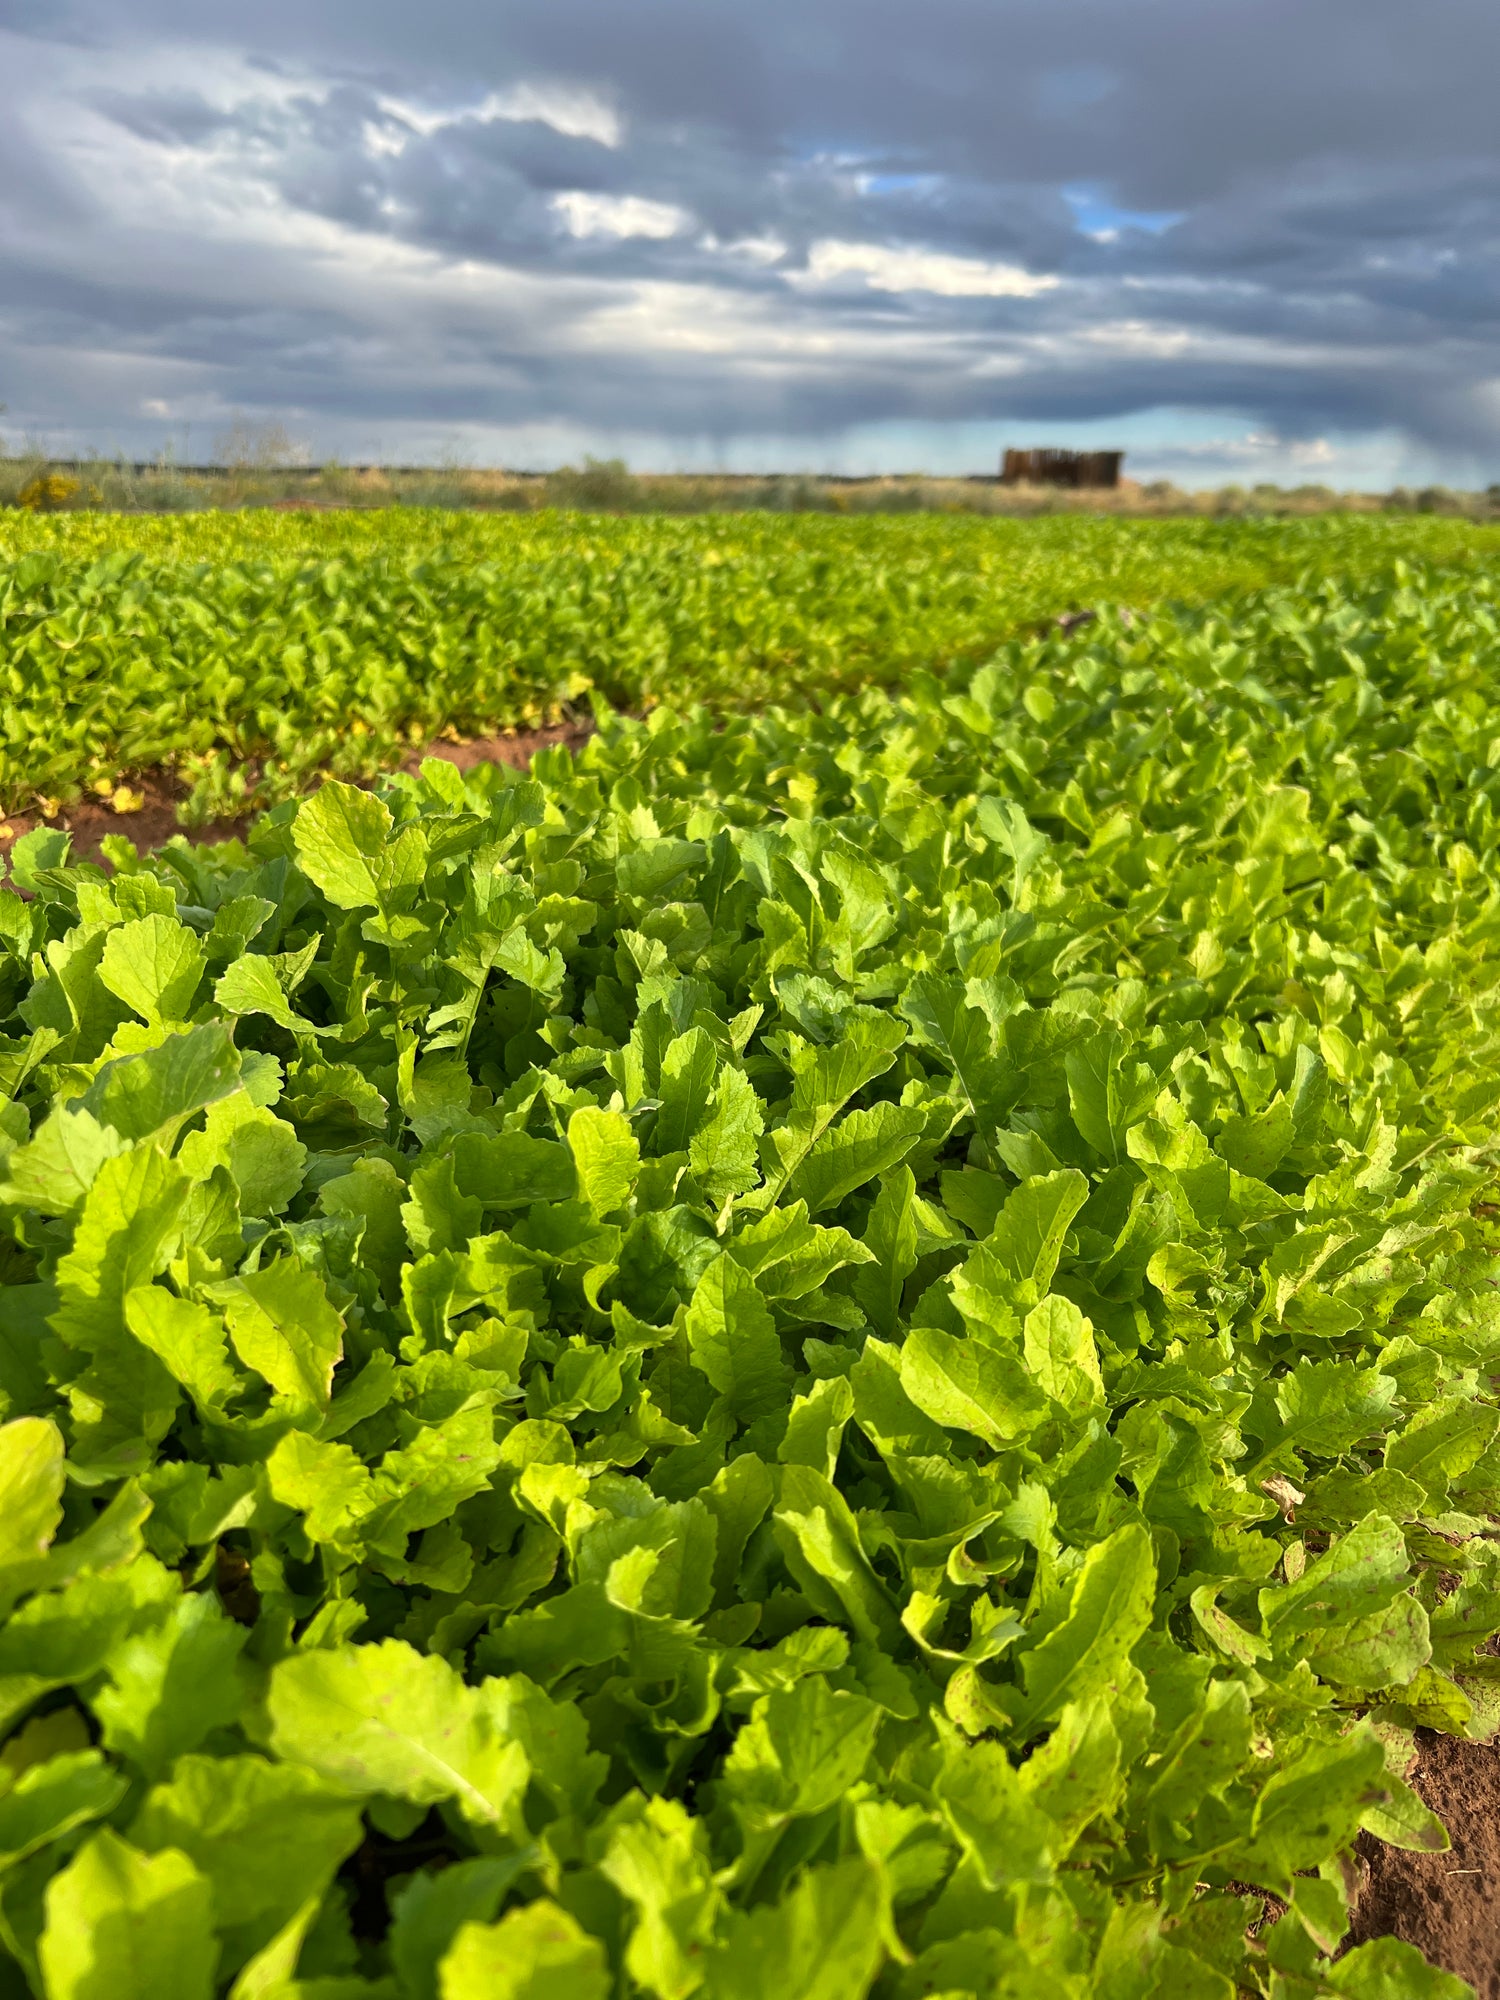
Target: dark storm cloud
{"points": [[685, 217]]}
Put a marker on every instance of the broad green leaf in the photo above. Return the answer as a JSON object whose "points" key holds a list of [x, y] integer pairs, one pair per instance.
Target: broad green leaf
{"points": [[155, 965], [537, 1952], [512, 1170], [1004, 822], [60, 1637], [825, 1940], [142, 1094], [824, 1080], [282, 1325], [970, 1385], [688, 1069], [429, 1909], [1061, 1353], [372, 1192], [819, 1540], [1328, 1407], [1109, 1091], [250, 986], [1400, 1819], [799, 1753], [127, 1232], [790, 1256], [658, 1562], [1350, 1613], [724, 1148], [739, 1500], [1309, 1809], [1109, 1609], [436, 1217], [885, 1412], [815, 1425], [1255, 1144], [1442, 1442], [1388, 1969], [964, 1040], [542, 971], [341, 834], [425, 1482], [605, 1157], [267, 1837], [733, 1340], [122, 1925], [861, 1147], [891, 1238], [268, 1975], [187, 1339], [326, 1482], [658, 1859], [54, 1798], [1075, 1776], [1003, 1831], [55, 1170], [387, 1719], [32, 1477], [1203, 1755], [1028, 1233], [263, 1154], [171, 1686]]}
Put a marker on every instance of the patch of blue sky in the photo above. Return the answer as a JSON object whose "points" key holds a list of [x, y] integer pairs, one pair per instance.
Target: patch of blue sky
{"points": [[1094, 214]]}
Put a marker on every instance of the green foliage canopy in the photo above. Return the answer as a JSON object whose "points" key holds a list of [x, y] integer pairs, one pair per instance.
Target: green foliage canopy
{"points": [[244, 654], [840, 1355]]}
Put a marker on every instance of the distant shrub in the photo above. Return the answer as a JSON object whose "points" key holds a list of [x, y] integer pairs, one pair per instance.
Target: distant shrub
{"points": [[50, 492], [605, 484]]}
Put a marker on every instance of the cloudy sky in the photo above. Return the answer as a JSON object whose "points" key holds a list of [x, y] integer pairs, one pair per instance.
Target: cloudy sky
{"points": [[1244, 239]]}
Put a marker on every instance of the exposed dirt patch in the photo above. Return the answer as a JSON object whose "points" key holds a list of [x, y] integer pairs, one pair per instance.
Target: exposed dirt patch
{"points": [[150, 826], [516, 750], [155, 822], [1448, 1905]]}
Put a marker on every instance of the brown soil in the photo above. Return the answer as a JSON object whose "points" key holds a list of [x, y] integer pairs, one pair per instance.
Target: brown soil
{"points": [[517, 750], [151, 826], [1448, 1905], [155, 822]]}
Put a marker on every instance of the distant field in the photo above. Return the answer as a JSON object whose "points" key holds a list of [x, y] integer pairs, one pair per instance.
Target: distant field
{"points": [[243, 653]]}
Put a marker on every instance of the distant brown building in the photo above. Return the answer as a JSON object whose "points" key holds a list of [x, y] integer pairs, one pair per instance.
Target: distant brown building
{"points": [[1061, 468]]}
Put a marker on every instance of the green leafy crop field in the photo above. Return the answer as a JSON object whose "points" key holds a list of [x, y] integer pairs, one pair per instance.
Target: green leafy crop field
{"points": [[848, 1354], [240, 655]]}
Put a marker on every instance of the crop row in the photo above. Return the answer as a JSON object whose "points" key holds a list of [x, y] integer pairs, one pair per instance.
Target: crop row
{"points": [[242, 655], [845, 1357]]}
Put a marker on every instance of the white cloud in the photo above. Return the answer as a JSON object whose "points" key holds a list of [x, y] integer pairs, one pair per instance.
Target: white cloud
{"points": [[578, 113], [1258, 445], [904, 270], [618, 215], [757, 249], [188, 228], [386, 142], [1139, 337]]}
